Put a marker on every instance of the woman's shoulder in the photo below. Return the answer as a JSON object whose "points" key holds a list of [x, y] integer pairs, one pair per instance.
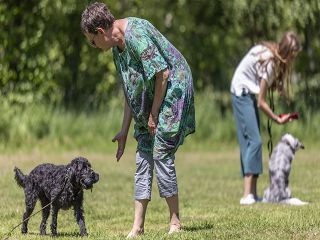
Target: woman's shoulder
{"points": [[259, 48], [261, 51], [138, 21], [139, 29], [136, 27]]}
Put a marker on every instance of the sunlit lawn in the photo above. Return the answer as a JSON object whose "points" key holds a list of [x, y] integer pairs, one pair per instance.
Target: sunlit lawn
{"points": [[210, 188]]}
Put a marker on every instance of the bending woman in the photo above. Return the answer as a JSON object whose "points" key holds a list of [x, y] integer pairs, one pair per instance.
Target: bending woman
{"points": [[158, 89]]}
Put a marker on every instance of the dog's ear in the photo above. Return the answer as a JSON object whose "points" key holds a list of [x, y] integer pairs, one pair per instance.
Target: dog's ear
{"points": [[71, 172], [79, 165], [73, 168], [81, 162]]}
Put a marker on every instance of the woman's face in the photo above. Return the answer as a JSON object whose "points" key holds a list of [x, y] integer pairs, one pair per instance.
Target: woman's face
{"points": [[102, 39], [289, 49], [292, 56]]}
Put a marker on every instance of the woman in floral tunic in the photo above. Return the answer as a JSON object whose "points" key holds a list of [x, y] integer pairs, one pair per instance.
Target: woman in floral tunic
{"points": [[158, 88]]}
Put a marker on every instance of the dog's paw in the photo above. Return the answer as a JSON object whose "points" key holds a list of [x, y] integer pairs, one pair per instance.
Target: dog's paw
{"points": [[24, 230], [294, 201]]}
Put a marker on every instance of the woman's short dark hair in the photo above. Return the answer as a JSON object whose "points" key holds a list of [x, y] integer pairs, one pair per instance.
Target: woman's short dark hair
{"points": [[96, 15]]}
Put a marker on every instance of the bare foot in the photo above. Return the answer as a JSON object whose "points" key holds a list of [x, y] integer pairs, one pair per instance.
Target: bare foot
{"points": [[135, 233], [174, 228]]}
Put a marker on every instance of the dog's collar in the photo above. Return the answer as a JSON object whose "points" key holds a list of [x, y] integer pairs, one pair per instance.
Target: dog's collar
{"points": [[288, 143]]}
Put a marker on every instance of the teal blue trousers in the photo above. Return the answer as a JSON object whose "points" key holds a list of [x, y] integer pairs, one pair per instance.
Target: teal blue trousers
{"points": [[246, 116]]}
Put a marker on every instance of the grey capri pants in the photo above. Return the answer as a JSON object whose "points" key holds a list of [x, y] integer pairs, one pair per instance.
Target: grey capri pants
{"points": [[248, 129], [165, 173]]}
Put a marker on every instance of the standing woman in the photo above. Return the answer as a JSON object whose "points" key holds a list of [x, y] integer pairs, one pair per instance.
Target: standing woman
{"points": [[158, 88], [266, 65]]}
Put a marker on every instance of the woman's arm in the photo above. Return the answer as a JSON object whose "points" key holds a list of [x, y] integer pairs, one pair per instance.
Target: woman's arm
{"points": [[159, 93], [263, 105], [127, 117], [121, 137]]}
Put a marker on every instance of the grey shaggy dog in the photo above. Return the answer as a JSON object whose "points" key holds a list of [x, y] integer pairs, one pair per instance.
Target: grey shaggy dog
{"points": [[279, 169], [61, 184]]}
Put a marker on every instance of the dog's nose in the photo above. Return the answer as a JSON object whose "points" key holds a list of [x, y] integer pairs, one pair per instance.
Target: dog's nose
{"points": [[302, 146], [96, 177]]}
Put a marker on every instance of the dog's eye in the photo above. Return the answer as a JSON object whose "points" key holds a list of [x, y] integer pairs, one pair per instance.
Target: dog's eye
{"points": [[86, 169]]}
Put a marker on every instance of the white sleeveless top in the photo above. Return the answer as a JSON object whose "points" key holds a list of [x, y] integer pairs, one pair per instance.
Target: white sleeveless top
{"points": [[249, 72]]}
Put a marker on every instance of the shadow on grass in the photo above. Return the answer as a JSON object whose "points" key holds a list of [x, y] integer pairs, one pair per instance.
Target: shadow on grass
{"points": [[60, 234], [69, 234], [198, 227]]}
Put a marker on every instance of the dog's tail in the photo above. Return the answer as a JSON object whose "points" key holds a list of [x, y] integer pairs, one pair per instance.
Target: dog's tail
{"points": [[20, 177]]}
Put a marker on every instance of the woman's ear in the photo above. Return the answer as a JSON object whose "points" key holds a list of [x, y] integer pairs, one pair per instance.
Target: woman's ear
{"points": [[101, 30]]}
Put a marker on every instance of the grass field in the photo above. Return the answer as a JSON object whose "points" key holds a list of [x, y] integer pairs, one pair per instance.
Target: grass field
{"points": [[209, 186]]}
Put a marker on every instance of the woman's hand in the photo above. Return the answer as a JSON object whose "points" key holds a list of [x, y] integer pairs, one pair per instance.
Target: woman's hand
{"points": [[152, 123], [121, 137], [283, 119], [263, 105]]}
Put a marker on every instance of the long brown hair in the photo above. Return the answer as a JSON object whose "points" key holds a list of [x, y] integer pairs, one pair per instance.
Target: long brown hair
{"points": [[282, 57]]}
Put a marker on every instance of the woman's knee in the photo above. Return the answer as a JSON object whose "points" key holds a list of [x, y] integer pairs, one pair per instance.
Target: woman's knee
{"points": [[166, 177], [256, 144], [144, 164]]}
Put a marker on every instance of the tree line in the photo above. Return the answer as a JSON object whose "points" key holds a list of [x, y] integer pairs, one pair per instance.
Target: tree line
{"points": [[44, 56]]}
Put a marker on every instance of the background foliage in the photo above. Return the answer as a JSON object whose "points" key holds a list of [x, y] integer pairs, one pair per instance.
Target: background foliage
{"points": [[48, 71]]}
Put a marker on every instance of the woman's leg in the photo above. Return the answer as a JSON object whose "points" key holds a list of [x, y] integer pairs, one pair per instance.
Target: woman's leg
{"points": [[247, 121], [168, 189], [254, 185], [248, 184], [140, 209], [173, 204], [142, 189]]}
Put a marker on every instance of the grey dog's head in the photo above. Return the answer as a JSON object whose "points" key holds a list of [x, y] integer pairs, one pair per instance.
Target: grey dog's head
{"points": [[292, 141], [81, 173]]}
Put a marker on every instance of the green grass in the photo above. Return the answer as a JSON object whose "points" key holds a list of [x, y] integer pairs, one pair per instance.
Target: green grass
{"points": [[209, 189], [42, 126]]}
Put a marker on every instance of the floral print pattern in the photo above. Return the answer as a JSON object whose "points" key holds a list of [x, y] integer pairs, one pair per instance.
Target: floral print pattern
{"points": [[148, 52]]}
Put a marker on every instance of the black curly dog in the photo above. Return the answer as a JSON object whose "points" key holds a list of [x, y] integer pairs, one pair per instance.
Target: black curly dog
{"points": [[61, 184]]}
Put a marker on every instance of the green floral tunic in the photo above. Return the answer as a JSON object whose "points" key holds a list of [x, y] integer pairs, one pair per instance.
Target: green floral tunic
{"points": [[147, 52]]}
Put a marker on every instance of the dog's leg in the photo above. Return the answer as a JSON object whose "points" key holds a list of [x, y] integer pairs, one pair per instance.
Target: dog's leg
{"points": [[287, 189], [281, 184], [45, 214], [288, 192], [55, 211], [266, 195], [78, 213], [30, 200]]}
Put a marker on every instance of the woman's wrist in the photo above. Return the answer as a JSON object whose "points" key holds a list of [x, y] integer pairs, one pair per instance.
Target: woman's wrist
{"points": [[275, 118], [124, 131], [154, 115]]}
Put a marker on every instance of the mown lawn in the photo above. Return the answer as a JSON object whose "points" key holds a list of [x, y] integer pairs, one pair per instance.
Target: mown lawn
{"points": [[210, 188]]}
